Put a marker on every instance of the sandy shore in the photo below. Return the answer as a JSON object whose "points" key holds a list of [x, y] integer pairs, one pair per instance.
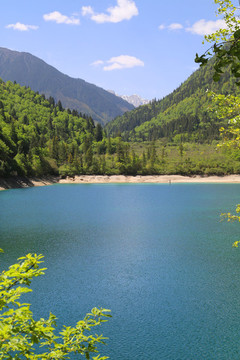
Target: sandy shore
{"points": [[158, 179], [17, 182]]}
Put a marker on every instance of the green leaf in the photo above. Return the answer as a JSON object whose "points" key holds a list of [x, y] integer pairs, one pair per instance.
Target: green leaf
{"points": [[201, 59], [237, 34], [216, 77]]}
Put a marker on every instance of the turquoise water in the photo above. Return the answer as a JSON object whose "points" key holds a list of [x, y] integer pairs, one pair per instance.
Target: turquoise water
{"points": [[156, 255]]}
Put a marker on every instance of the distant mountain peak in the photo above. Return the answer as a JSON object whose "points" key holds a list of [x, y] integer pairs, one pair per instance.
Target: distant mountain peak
{"points": [[135, 99]]}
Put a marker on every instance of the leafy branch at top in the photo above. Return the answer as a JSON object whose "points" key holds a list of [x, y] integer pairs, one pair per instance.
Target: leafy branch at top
{"points": [[226, 42]]}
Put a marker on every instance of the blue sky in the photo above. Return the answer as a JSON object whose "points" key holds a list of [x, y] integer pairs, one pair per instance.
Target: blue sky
{"points": [[144, 47]]}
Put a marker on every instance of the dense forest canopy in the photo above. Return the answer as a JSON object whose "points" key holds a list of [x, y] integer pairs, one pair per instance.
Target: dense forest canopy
{"points": [[38, 136]]}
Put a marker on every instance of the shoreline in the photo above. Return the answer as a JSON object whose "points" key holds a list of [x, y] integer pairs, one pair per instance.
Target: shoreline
{"points": [[24, 182]]}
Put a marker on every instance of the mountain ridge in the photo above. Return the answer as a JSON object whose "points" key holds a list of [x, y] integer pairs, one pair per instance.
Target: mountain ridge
{"points": [[29, 70]]}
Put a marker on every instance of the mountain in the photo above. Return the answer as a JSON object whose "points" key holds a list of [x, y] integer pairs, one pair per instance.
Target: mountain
{"points": [[135, 100], [28, 70], [182, 113]]}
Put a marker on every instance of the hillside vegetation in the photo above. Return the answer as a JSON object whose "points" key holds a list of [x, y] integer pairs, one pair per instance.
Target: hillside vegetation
{"points": [[39, 137], [183, 113]]}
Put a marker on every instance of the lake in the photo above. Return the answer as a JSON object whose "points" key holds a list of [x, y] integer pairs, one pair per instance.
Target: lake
{"points": [[157, 255]]}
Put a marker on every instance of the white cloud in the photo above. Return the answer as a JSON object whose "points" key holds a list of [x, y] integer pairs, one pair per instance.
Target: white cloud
{"points": [[121, 62], [204, 27], [200, 27], [57, 17], [162, 27], [87, 10], [124, 10], [172, 27], [175, 26], [21, 27], [97, 63]]}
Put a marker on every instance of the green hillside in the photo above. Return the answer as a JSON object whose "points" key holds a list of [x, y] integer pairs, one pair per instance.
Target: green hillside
{"points": [[181, 113], [39, 137], [28, 70]]}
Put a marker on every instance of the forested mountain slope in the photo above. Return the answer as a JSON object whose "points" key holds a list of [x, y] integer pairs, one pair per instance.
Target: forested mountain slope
{"points": [[184, 112], [39, 137], [90, 99]]}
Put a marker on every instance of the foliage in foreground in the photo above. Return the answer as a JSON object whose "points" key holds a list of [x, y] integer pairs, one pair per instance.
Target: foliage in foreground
{"points": [[225, 53], [226, 42], [21, 335], [228, 107]]}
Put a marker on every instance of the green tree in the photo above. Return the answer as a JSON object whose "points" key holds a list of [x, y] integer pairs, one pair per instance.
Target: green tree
{"points": [[181, 149], [23, 337], [99, 132], [109, 146], [59, 105]]}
